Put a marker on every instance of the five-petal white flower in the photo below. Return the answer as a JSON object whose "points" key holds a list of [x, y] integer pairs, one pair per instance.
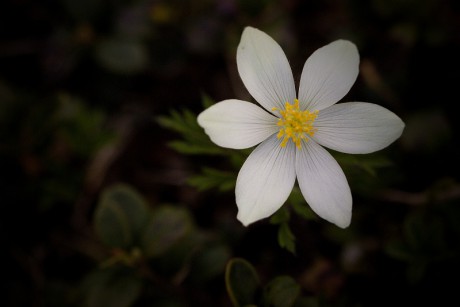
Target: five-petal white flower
{"points": [[294, 127]]}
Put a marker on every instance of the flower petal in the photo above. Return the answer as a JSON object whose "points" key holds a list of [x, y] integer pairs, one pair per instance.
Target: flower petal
{"points": [[328, 75], [357, 127], [265, 70], [323, 184], [265, 180], [237, 124]]}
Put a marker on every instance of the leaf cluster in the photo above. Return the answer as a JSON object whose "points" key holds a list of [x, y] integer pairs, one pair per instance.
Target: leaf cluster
{"points": [[194, 141], [158, 246], [245, 288]]}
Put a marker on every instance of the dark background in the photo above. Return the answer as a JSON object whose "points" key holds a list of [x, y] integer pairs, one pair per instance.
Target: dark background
{"points": [[82, 82]]}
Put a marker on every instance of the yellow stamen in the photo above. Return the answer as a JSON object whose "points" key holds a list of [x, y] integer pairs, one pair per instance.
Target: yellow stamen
{"points": [[295, 124]]}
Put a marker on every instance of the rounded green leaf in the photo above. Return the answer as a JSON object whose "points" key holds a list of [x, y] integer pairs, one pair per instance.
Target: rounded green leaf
{"points": [[281, 292], [120, 216], [167, 226], [115, 287], [242, 282]]}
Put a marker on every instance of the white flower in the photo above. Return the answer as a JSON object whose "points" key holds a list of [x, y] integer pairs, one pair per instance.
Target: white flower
{"points": [[291, 132]]}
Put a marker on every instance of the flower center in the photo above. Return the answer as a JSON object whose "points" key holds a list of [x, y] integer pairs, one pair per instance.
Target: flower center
{"points": [[295, 124]]}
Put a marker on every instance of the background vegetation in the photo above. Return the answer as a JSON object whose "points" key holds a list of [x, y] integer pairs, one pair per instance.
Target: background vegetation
{"points": [[111, 195]]}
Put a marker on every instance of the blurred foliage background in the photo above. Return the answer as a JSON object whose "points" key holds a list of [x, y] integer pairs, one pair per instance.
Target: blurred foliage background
{"points": [[111, 195]]}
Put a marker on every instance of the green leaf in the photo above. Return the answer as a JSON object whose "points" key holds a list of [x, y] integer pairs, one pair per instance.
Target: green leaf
{"points": [[82, 128], [281, 292], [120, 216], [209, 262], [300, 206], [185, 123], [115, 287], [207, 101], [194, 149], [195, 140], [367, 163], [167, 226], [280, 216], [238, 157], [242, 282], [286, 238], [212, 178]]}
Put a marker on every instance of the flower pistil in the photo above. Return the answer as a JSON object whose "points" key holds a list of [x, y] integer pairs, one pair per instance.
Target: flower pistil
{"points": [[295, 124]]}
